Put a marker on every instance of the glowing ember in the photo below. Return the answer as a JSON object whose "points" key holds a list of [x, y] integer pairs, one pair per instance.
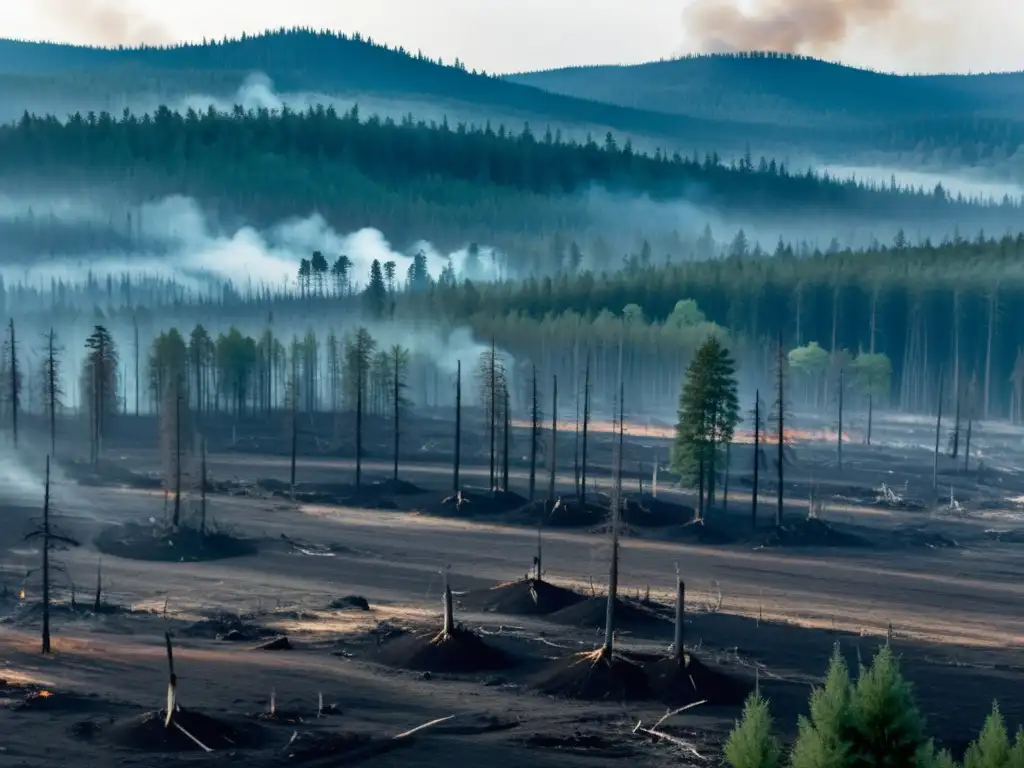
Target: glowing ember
{"points": [[21, 595], [44, 694]]}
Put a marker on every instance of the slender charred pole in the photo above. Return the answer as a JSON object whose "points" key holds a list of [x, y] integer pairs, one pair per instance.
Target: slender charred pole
{"points": [[449, 611], [534, 435], [177, 453], [135, 329], [677, 647], [458, 426], [839, 436], [98, 602], [586, 422], [359, 416], [781, 438], [14, 385], [938, 434], [295, 432], [613, 572], [202, 489], [504, 453], [870, 415], [397, 404], [554, 437], [757, 457], [46, 560], [492, 413], [956, 428], [52, 387]]}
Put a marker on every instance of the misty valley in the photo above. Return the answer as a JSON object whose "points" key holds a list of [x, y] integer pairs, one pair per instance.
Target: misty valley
{"points": [[356, 407]]}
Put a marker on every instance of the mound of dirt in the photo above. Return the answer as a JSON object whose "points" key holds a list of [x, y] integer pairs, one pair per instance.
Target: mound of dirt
{"points": [[476, 502], [630, 616], [460, 651], [526, 597], [915, 537], [680, 683], [810, 532], [648, 511], [229, 628], [146, 733], [164, 544], [702, 532], [567, 513], [349, 603], [595, 676]]}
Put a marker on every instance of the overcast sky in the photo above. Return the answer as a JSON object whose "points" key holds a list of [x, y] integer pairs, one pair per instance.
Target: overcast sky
{"points": [[516, 35]]}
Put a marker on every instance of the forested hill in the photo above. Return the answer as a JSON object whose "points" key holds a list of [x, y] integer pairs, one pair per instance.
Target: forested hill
{"points": [[780, 87], [776, 107], [935, 120], [327, 63], [456, 183]]}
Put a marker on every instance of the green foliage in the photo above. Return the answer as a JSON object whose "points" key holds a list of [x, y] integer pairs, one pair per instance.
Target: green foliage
{"points": [[708, 408], [809, 360], [823, 739], [993, 748], [751, 743], [887, 728], [873, 374], [686, 314]]}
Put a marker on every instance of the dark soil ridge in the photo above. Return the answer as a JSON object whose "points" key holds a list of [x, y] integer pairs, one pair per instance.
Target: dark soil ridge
{"points": [[461, 651], [146, 733], [526, 597], [595, 676], [678, 683], [134, 541], [630, 616]]}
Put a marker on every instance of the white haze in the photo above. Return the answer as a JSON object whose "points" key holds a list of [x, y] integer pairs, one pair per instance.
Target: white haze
{"points": [[183, 244], [967, 183]]}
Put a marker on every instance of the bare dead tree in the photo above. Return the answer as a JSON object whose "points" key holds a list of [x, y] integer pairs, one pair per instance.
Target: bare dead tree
{"points": [[52, 391], [97, 605], [938, 435], [616, 511], [534, 433], [15, 382], [586, 423], [677, 646], [202, 487], [507, 409], [970, 423], [458, 426], [839, 435], [757, 458], [554, 438], [51, 540]]}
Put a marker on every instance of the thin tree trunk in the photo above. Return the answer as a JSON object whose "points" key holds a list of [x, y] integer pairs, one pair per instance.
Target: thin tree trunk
{"points": [[295, 432], [967, 442], [993, 299], [46, 560], [870, 416], [202, 489], [677, 646], [938, 433], [725, 486], [613, 570], [458, 426], [700, 486], [757, 458], [839, 436], [97, 605], [14, 386], [493, 406], [359, 418], [554, 437], [956, 427], [534, 430], [135, 331], [177, 454], [51, 364], [504, 453], [586, 422], [781, 440], [396, 406]]}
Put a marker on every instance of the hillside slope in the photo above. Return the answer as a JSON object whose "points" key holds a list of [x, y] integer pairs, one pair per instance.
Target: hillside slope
{"points": [[777, 88]]}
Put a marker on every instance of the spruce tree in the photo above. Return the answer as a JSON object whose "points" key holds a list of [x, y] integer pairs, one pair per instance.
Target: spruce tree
{"points": [[823, 739], [376, 291], [751, 743], [708, 414]]}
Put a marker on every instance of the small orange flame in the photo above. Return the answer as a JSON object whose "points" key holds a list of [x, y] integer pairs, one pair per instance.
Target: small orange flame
{"points": [[21, 595], [44, 694]]}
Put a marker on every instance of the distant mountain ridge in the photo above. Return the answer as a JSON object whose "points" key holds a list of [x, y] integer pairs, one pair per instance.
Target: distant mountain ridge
{"points": [[787, 85], [786, 107]]}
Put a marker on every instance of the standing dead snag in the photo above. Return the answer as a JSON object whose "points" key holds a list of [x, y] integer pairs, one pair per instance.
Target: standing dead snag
{"points": [[399, 360], [202, 487], [586, 423], [15, 383], [839, 435], [757, 458], [554, 439], [458, 426], [52, 391], [97, 605], [780, 435], [172, 683], [52, 540], [505, 448], [938, 435], [677, 648], [534, 433]]}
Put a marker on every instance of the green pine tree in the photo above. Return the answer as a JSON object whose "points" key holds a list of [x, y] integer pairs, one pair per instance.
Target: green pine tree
{"points": [[992, 749], [823, 740], [708, 414], [887, 728], [751, 743]]}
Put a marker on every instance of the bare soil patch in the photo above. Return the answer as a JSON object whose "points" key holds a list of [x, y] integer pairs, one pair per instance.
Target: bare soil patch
{"points": [[679, 683], [526, 597], [164, 544], [147, 733], [460, 651], [596, 676], [630, 616]]}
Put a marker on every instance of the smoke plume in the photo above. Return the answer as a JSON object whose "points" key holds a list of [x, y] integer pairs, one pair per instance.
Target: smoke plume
{"points": [[786, 26], [106, 23]]}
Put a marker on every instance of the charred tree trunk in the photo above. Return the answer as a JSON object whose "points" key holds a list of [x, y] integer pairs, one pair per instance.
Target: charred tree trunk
{"points": [[992, 302], [967, 442], [534, 434], [677, 645], [839, 436], [554, 438], [613, 570], [492, 413], [700, 486], [505, 447], [938, 435], [757, 458], [458, 426], [870, 416], [586, 423], [97, 604], [46, 560], [781, 435], [14, 386], [725, 485], [202, 488], [397, 406], [52, 387], [295, 433], [135, 333], [956, 427], [359, 421], [177, 454]]}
